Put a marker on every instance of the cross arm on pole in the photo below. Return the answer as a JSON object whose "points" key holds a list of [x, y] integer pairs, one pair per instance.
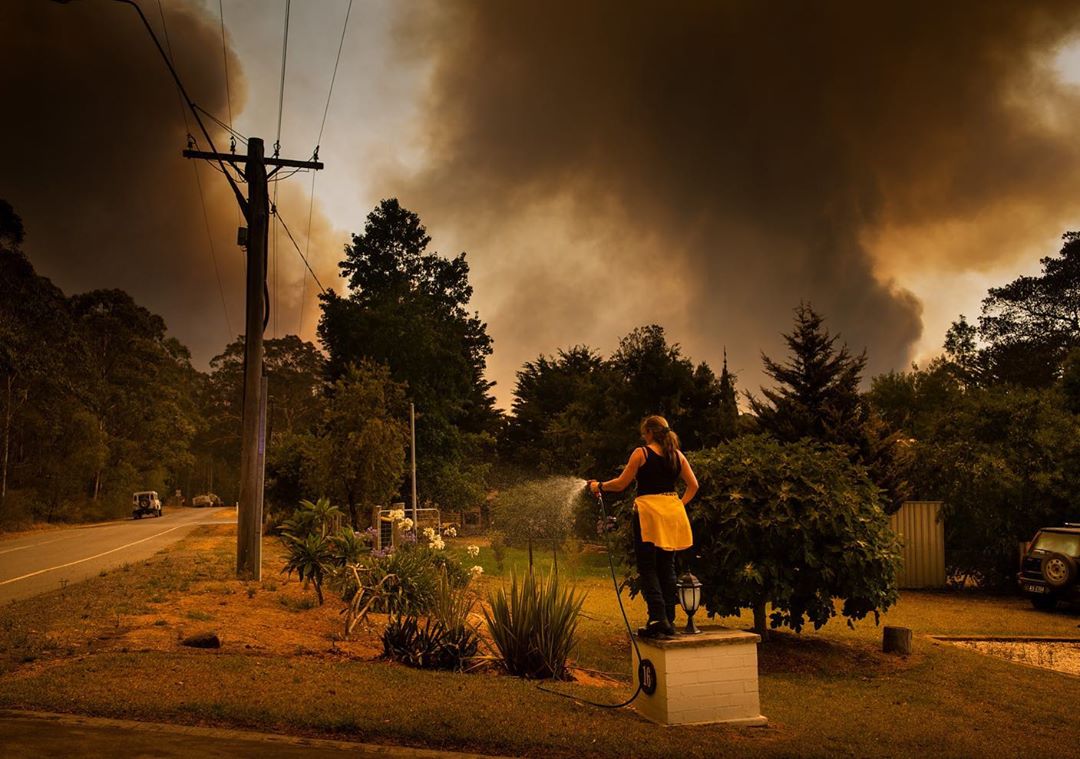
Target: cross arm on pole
{"points": [[235, 158]]}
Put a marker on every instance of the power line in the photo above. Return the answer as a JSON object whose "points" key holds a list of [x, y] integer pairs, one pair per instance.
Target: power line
{"points": [[198, 181], [318, 144], [168, 46], [281, 88], [303, 258], [277, 147], [225, 60], [213, 254], [333, 77], [307, 249], [222, 124]]}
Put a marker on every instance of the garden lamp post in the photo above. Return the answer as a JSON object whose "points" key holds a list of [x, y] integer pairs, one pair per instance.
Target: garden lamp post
{"points": [[689, 588]]}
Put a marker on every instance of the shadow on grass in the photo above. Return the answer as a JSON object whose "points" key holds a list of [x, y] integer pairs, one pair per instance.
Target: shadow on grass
{"points": [[788, 653]]}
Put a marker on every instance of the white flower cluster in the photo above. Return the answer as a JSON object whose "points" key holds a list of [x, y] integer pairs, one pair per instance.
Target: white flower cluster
{"points": [[450, 532], [476, 570], [434, 538], [473, 551], [398, 515]]}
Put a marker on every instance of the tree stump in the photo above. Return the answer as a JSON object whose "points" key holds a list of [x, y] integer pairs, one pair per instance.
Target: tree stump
{"points": [[896, 640]]}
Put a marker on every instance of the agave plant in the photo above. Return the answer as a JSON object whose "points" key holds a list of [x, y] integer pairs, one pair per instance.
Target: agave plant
{"points": [[534, 627]]}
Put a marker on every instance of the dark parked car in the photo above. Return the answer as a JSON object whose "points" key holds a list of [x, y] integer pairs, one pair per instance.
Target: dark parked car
{"points": [[1048, 571]]}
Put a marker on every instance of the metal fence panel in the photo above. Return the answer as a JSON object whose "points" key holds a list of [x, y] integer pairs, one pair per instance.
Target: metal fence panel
{"points": [[919, 525]]}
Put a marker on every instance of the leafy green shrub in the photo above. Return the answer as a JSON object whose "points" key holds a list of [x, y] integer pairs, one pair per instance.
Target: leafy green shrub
{"points": [[445, 640], [792, 525], [533, 628]]}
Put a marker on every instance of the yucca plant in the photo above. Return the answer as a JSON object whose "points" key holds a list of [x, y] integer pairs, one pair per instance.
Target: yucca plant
{"points": [[534, 627]]}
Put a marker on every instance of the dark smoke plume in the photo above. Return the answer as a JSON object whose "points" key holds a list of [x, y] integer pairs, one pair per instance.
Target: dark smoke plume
{"points": [[91, 139], [711, 164]]}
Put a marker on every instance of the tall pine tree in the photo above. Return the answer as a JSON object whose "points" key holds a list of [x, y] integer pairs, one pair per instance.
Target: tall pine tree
{"points": [[817, 397], [817, 389]]}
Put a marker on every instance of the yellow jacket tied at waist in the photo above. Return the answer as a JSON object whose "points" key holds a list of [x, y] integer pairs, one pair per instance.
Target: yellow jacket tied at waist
{"points": [[663, 521]]}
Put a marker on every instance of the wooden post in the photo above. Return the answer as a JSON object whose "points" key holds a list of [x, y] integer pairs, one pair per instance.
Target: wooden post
{"points": [[412, 459], [896, 640], [249, 518]]}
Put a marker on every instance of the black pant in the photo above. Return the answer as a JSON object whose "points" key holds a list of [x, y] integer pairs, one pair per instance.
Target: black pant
{"points": [[656, 576]]}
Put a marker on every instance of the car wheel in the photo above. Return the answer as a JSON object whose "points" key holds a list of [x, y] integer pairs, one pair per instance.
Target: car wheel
{"points": [[135, 515], [1044, 603], [1058, 570]]}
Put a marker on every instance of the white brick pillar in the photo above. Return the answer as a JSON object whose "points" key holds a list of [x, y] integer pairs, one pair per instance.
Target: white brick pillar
{"points": [[711, 677]]}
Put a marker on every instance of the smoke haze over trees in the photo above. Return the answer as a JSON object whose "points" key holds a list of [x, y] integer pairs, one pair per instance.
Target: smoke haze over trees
{"points": [[718, 162]]}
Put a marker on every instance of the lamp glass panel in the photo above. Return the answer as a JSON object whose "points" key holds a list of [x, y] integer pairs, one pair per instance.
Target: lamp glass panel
{"points": [[686, 597]]}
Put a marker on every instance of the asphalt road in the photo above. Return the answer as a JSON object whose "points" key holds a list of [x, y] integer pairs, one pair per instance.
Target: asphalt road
{"points": [[45, 561]]}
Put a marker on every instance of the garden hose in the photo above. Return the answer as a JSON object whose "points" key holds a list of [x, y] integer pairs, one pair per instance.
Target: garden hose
{"points": [[626, 621]]}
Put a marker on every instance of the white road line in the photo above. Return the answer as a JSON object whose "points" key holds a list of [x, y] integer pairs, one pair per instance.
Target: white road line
{"points": [[35, 545], [96, 556]]}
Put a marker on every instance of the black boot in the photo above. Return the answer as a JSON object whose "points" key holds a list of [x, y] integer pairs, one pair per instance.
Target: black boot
{"points": [[657, 628]]}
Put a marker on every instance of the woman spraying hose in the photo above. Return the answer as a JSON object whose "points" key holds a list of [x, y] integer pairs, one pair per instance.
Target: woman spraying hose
{"points": [[661, 526]]}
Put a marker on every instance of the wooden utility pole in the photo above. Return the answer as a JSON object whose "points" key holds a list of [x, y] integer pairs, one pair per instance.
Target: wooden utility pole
{"points": [[253, 429], [256, 209]]}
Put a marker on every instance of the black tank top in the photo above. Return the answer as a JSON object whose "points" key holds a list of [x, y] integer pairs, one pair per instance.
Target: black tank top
{"points": [[656, 474]]}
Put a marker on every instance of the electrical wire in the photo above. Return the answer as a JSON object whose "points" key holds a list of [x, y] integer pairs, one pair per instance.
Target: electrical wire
{"points": [[303, 258], [318, 144], [281, 88], [198, 181], [333, 77], [232, 132], [213, 254], [307, 249], [172, 61], [225, 60]]}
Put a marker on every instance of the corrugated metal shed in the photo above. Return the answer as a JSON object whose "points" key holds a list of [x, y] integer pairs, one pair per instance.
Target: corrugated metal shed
{"points": [[919, 525]]}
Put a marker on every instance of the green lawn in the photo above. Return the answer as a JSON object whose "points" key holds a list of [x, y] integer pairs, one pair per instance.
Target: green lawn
{"points": [[826, 693]]}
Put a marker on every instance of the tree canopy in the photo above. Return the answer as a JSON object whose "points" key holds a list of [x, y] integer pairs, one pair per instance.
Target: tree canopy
{"points": [[577, 412], [407, 308]]}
